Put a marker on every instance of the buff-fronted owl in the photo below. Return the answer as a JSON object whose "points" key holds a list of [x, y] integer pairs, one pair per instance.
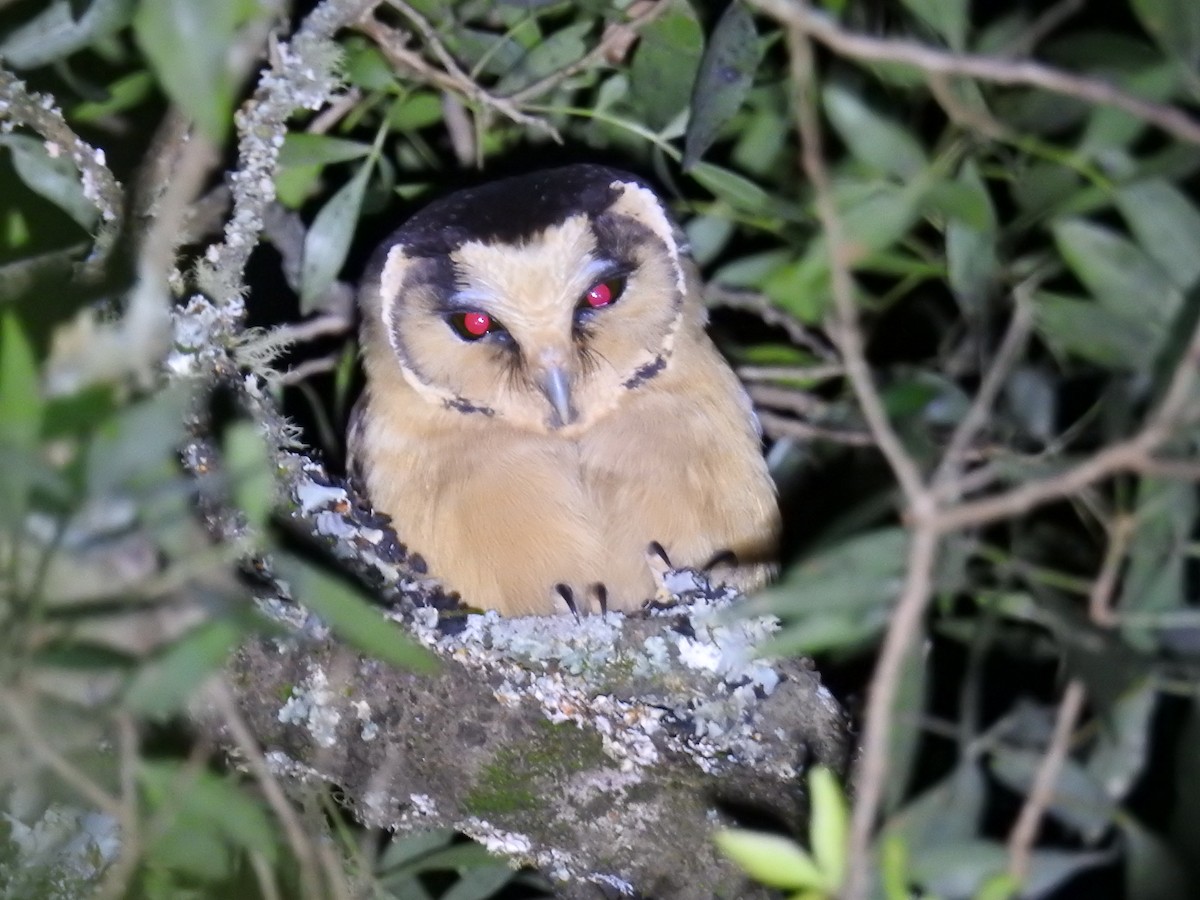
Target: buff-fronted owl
{"points": [[542, 402]]}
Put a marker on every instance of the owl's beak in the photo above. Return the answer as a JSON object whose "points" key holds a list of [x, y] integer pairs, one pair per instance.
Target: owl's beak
{"points": [[556, 385]]}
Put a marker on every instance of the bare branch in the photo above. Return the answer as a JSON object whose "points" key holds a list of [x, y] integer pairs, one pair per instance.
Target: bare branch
{"points": [[848, 337], [998, 70]]}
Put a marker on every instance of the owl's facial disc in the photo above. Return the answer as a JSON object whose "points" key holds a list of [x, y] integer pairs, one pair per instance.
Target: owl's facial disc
{"points": [[550, 329]]}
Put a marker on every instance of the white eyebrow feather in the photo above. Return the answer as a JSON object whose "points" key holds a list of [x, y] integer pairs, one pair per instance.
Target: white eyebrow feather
{"points": [[598, 267], [471, 297]]}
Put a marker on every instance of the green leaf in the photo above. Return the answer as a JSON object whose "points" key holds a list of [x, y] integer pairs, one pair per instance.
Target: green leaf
{"points": [[366, 67], [1116, 271], [328, 239], [1166, 224], [21, 404], [1076, 800], [559, 50], [301, 149], [55, 32], [1175, 24], [971, 244], [21, 414], [664, 65], [351, 617], [414, 112], [771, 859], [124, 93], [723, 80], [1086, 329], [829, 827], [876, 214], [736, 190], [874, 140], [859, 572], [802, 287], [162, 687], [187, 45], [206, 808], [949, 18], [52, 176], [1156, 577]]}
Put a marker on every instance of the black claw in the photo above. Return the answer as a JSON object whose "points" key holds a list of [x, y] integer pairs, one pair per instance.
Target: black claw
{"points": [[568, 598], [601, 593], [724, 557], [657, 549], [417, 562]]}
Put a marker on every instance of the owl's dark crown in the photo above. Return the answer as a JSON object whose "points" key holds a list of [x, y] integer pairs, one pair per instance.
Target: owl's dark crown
{"points": [[510, 210]]}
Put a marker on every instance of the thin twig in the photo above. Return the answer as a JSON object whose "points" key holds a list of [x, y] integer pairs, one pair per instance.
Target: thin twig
{"points": [[848, 337], [451, 75], [617, 34], [1043, 26], [999, 70], [790, 373], [1041, 792], [219, 695], [747, 301], [780, 426], [977, 415]]}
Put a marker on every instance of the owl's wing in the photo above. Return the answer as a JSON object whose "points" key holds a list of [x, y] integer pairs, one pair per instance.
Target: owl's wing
{"points": [[356, 458]]}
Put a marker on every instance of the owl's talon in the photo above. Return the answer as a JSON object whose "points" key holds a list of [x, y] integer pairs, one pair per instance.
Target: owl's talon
{"points": [[724, 557], [601, 593], [568, 597], [655, 549]]}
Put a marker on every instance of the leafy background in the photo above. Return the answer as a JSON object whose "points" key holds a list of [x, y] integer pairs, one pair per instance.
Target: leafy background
{"points": [[953, 248]]}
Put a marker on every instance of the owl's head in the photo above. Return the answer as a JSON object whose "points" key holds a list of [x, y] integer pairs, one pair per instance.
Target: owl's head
{"points": [[540, 300]]}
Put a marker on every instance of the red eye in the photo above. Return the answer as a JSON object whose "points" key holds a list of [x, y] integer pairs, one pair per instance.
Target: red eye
{"points": [[603, 293], [471, 326], [598, 295]]}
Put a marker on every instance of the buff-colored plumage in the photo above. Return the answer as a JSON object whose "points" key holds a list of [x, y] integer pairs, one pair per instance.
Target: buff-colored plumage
{"points": [[546, 456]]}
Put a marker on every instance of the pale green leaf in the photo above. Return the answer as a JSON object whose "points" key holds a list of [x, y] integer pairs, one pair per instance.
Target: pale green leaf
{"points": [[21, 405], [1167, 225], [328, 239], [187, 44], [1086, 329], [737, 190], [829, 825], [1122, 276], [873, 139], [771, 859], [46, 169], [302, 149], [559, 50], [55, 32]]}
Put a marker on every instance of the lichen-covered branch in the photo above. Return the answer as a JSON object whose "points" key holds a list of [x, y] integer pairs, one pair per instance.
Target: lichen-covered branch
{"points": [[39, 112], [601, 750]]}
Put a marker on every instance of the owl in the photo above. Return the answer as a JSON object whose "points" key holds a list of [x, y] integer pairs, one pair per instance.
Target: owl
{"points": [[542, 403]]}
